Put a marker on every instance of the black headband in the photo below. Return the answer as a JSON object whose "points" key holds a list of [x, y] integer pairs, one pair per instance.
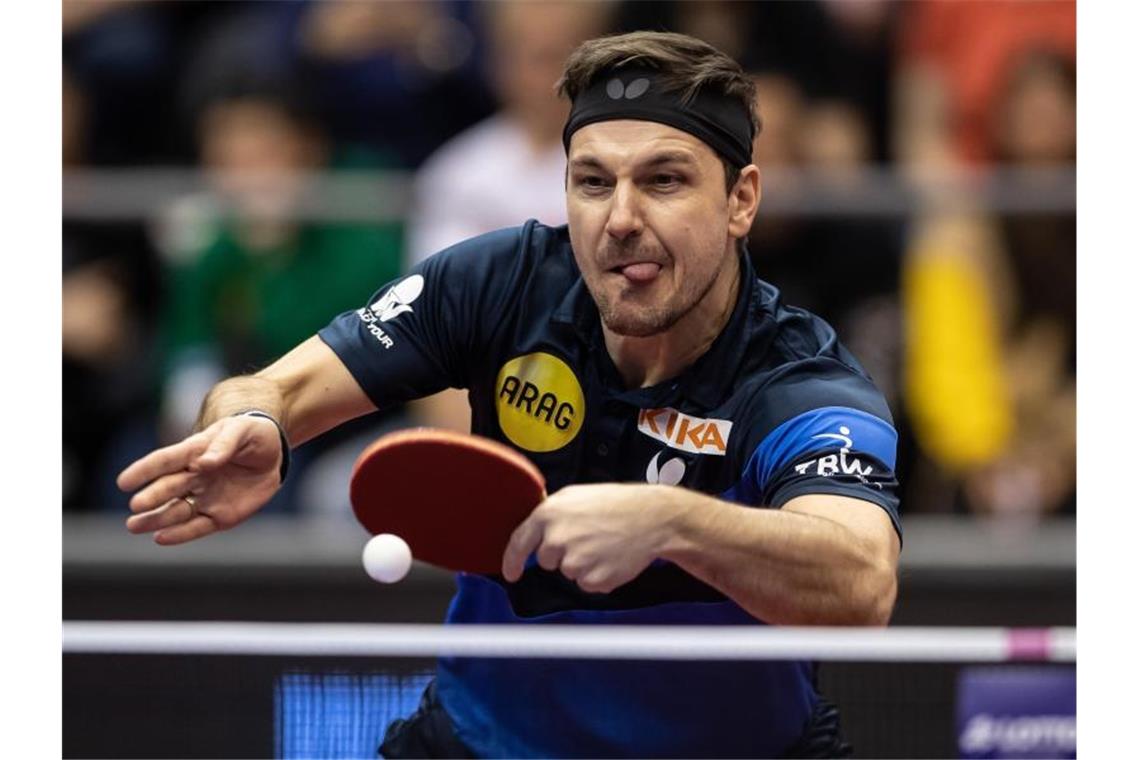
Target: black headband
{"points": [[721, 122]]}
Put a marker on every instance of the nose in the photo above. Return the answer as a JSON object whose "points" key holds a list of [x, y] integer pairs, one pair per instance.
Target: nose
{"points": [[625, 215]]}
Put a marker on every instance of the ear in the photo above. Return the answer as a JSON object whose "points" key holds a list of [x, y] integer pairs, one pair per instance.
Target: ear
{"points": [[744, 201]]}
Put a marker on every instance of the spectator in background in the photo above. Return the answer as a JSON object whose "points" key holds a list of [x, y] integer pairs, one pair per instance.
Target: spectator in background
{"points": [[512, 165], [398, 77], [126, 55], [828, 263], [119, 53], [110, 295], [261, 280], [846, 269], [991, 308], [460, 192], [832, 51], [954, 58]]}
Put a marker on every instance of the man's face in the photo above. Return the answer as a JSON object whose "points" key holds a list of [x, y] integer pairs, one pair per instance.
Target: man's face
{"points": [[650, 223]]}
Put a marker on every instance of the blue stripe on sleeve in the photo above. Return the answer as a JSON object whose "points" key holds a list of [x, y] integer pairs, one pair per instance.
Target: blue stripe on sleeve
{"points": [[825, 428]]}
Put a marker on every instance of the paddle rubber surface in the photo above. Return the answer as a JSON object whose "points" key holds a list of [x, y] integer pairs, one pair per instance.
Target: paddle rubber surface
{"points": [[454, 498]]}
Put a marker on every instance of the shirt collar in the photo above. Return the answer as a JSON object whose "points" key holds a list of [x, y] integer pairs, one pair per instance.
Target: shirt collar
{"points": [[577, 309]]}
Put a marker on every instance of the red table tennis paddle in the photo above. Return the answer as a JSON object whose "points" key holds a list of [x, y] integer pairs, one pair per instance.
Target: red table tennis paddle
{"points": [[456, 499]]}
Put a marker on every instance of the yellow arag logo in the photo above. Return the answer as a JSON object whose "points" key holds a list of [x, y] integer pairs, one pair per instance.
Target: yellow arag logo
{"points": [[539, 402]]}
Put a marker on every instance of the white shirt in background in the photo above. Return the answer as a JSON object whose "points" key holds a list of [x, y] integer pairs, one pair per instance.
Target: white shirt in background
{"points": [[484, 179]]}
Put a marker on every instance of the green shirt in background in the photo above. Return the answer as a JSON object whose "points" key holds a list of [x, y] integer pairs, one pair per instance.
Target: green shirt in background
{"points": [[249, 307]]}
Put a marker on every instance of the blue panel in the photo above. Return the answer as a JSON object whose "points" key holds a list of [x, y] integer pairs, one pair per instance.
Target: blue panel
{"points": [[340, 714]]}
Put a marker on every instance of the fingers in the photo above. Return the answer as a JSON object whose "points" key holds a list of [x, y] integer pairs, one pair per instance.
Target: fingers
{"points": [[596, 581], [172, 512], [590, 572], [550, 554], [199, 526], [524, 540], [208, 449], [163, 490], [164, 461], [227, 437], [574, 566]]}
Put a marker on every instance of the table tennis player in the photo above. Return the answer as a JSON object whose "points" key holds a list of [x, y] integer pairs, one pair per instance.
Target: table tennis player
{"points": [[713, 456]]}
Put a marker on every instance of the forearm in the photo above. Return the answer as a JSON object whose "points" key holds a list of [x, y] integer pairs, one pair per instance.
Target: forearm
{"points": [[308, 391], [783, 567]]}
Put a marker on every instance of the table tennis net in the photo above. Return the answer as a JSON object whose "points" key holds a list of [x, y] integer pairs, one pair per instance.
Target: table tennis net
{"points": [[125, 698]]}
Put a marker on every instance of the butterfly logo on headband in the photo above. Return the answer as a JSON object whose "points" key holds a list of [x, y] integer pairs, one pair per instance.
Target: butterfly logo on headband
{"points": [[617, 89]]}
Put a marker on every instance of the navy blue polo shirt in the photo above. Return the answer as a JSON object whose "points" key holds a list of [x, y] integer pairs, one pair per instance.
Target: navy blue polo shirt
{"points": [[775, 409]]}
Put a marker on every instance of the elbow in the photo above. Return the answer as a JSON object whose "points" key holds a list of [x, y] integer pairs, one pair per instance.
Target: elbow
{"points": [[869, 602], [875, 601]]}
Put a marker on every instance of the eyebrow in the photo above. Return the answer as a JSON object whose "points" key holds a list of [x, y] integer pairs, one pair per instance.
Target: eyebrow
{"points": [[586, 162], [671, 157], [666, 157]]}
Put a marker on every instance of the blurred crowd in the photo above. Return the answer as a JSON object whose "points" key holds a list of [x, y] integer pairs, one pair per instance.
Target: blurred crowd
{"points": [[964, 315]]}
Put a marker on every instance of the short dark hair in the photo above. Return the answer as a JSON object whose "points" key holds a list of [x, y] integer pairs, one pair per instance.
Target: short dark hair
{"points": [[687, 66]]}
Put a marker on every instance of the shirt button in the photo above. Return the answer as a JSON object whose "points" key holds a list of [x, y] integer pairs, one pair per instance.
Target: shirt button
{"points": [[603, 449]]}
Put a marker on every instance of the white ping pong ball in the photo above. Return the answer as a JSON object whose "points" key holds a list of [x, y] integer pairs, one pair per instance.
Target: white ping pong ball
{"points": [[387, 558]]}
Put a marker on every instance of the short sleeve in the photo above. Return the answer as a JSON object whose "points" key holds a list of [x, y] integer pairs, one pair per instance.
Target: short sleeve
{"points": [[421, 333], [836, 439]]}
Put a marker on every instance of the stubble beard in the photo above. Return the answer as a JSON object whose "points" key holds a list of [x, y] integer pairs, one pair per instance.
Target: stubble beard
{"points": [[633, 321], [637, 323]]}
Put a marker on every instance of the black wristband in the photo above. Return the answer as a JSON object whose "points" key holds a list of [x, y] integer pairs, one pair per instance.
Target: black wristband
{"points": [[285, 452]]}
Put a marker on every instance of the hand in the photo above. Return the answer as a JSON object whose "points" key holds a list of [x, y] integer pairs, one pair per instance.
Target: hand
{"points": [[600, 536], [229, 470]]}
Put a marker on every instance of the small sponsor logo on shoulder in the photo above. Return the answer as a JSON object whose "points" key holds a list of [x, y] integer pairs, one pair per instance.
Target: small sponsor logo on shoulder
{"points": [[836, 464], [680, 431], [392, 304], [399, 298]]}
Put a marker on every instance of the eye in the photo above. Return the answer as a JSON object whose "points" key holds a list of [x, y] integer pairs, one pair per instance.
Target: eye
{"points": [[666, 180], [591, 183]]}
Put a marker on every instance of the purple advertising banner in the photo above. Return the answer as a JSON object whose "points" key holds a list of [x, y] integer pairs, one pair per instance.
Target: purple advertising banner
{"points": [[1017, 712]]}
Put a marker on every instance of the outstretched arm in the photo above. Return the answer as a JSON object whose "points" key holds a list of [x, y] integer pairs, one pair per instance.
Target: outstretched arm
{"points": [[229, 467], [820, 560]]}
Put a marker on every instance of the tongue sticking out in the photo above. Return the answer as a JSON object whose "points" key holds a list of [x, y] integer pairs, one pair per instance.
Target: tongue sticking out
{"points": [[644, 272]]}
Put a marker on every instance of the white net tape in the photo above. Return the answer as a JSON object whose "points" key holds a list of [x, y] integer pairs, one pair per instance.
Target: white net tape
{"points": [[565, 641]]}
